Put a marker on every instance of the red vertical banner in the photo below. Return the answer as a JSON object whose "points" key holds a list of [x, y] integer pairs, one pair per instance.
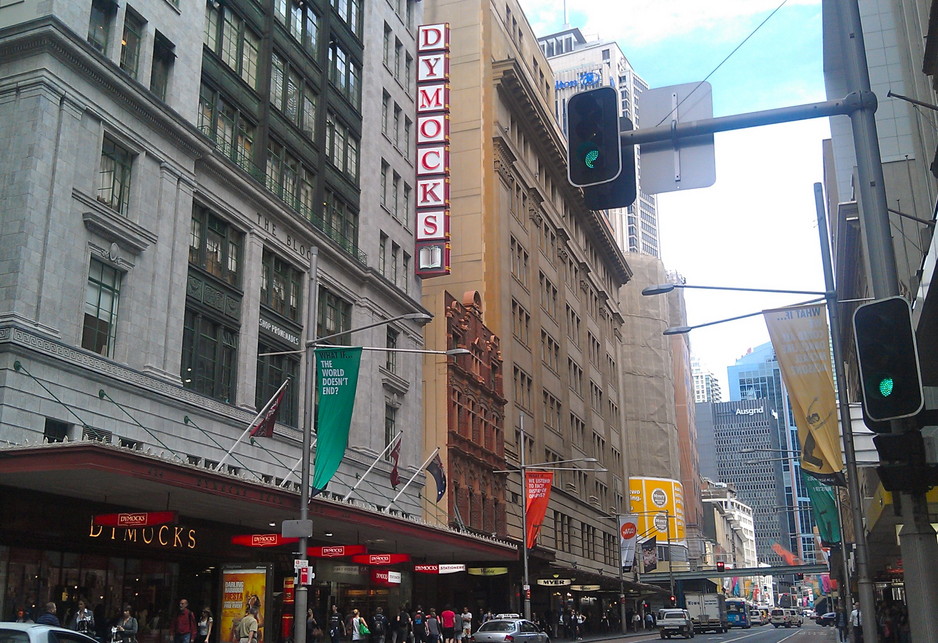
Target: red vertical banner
{"points": [[537, 491]]}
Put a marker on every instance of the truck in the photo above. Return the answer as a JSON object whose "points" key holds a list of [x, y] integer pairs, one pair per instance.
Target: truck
{"points": [[707, 611]]}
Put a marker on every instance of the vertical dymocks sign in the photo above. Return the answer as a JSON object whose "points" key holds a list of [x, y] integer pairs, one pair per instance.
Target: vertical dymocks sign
{"points": [[433, 244]]}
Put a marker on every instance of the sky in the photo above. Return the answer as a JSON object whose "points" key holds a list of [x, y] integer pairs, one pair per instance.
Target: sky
{"points": [[756, 227]]}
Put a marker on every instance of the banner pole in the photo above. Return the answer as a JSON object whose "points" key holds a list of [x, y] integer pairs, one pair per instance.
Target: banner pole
{"points": [[380, 455]]}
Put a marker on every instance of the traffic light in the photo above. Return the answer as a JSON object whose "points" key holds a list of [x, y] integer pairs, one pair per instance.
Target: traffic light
{"points": [[621, 191], [593, 154], [903, 466], [721, 566], [673, 600], [888, 359]]}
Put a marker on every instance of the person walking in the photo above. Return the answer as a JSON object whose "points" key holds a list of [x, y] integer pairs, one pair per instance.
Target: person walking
{"points": [[204, 626], [183, 626], [434, 629], [856, 623], [466, 623], [247, 627], [402, 624], [419, 626], [379, 626], [841, 625], [336, 625], [360, 631], [448, 621], [126, 628], [48, 617]]}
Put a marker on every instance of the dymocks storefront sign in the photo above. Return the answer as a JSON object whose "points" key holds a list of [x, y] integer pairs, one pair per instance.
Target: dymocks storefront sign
{"points": [[433, 199]]}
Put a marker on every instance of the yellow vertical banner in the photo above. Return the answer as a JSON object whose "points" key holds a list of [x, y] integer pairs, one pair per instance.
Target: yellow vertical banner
{"points": [[801, 339]]}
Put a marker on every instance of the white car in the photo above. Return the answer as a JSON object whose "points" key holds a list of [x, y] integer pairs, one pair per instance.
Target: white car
{"points": [[675, 622], [32, 633]]}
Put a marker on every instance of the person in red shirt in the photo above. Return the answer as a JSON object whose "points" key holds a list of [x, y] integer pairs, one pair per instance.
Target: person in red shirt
{"points": [[448, 621], [183, 626]]}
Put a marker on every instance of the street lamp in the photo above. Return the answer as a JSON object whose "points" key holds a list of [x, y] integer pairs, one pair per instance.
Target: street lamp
{"points": [[523, 468]]}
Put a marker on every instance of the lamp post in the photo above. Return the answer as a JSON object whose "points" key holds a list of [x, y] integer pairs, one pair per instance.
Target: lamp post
{"points": [[523, 468], [304, 526]]}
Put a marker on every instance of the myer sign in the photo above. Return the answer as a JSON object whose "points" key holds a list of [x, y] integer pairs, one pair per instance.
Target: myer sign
{"points": [[554, 582]]}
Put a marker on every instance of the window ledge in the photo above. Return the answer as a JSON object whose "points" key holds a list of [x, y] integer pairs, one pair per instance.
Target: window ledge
{"points": [[393, 381], [112, 226]]}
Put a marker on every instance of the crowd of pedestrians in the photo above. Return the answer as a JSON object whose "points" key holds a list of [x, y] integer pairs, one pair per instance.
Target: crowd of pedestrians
{"points": [[401, 626]]}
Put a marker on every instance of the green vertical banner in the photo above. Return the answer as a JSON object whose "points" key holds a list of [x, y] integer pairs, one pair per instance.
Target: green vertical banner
{"points": [[824, 509], [336, 384]]}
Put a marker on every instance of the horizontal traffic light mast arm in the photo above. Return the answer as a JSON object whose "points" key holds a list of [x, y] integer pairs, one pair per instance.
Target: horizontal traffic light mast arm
{"points": [[851, 103]]}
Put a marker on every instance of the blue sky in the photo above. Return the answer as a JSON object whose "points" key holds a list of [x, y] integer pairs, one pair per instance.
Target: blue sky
{"points": [[756, 227]]}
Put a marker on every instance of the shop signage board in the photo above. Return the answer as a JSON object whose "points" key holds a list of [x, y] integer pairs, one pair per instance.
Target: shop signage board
{"points": [[381, 559], [336, 551], [439, 569], [262, 540], [136, 519], [488, 571], [554, 582]]}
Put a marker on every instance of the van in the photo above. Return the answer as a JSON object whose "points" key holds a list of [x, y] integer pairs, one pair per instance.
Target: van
{"points": [[793, 618]]}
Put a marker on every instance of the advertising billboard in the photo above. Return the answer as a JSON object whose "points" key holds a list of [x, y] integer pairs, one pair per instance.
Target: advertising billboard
{"points": [[242, 587], [656, 502]]}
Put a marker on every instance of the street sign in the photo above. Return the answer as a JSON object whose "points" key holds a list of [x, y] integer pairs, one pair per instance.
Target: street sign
{"points": [[300, 563], [669, 166]]}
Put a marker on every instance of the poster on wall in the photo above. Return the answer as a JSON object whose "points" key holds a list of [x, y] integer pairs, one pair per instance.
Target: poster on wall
{"points": [[242, 587]]}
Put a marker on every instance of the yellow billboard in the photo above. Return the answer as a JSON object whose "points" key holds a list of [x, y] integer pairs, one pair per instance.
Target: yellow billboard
{"points": [[659, 505]]}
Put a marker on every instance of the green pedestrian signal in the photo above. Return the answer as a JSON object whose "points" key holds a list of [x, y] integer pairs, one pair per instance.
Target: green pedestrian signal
{"points": [[888, 359], [593, 155]]}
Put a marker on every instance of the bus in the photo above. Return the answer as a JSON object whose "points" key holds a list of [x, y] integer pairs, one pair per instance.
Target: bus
{"points": [[737, 613]]}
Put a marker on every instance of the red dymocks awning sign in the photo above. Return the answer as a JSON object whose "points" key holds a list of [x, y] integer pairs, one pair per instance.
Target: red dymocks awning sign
{"points": [[335, 551], [262, 540], [137, 519], [381, 559], [538, 485]]}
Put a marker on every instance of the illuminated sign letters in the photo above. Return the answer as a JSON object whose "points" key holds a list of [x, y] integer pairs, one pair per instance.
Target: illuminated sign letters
{"points": [[432, 162]]}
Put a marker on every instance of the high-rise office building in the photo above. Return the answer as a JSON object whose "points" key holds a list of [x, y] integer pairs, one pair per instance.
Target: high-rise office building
{"points": [[757, 376], [579, 65], [707, 386]]}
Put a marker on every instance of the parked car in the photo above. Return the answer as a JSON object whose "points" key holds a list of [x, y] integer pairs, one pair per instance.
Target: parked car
{"points": [[827, 619], [33, 633], [509, 630], [672, 622]]}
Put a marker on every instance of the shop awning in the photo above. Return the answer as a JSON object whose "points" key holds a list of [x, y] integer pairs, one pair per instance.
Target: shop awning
{"points": [[134, 481]]}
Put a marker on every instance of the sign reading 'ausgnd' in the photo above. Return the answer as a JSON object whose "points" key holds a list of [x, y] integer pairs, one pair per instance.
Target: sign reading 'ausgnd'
{"points": [[433, 243]]}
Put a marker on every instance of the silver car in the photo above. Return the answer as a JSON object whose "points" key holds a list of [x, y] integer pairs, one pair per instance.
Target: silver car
{"points": [[507, 630], [32, 633]]}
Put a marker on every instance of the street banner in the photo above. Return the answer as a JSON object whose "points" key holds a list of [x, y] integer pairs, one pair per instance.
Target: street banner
{"points": [[824, 510], [336, 384], [801, 339], [537, 485], [262, 540], [628, 533], [135, 519], [650, 555], [395, 476], [263, 426], [435, 469]]}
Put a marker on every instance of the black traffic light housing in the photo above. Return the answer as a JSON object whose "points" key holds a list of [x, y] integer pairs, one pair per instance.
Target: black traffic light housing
{"points": [[888, 359], [721, 566], [593, 154], [621, 191], [902, 462]]}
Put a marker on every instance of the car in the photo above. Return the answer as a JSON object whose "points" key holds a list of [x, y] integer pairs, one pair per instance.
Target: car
{"points": [[507, 630], [672, 622], [755, 617], [33, 633], [793, 618], [777, 617], [827, 619]]}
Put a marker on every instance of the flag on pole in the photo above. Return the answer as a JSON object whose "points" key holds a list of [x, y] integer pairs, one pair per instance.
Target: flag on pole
{"points": [[628, 534], [263, 426], [395, 456], [435, 469], [336, 382]]}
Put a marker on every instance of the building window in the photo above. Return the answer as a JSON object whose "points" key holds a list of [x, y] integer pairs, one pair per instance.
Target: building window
{"points": [[382, 255], [209, 356], [390, 423], [227, 35], [350, 11], [280, 286], [345, 74], [215, 246], [102, 295], [340, 222], [293, 95], [99, 26], [114, 176], [390, 360], [289, 179], [272, 371], [130, 43], [223, 123], [335, 316], [301, 22], [342, 147], [163, 58]]}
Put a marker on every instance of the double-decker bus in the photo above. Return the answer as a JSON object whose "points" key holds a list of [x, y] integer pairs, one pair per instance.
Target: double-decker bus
{"points": [[737, 613]]}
